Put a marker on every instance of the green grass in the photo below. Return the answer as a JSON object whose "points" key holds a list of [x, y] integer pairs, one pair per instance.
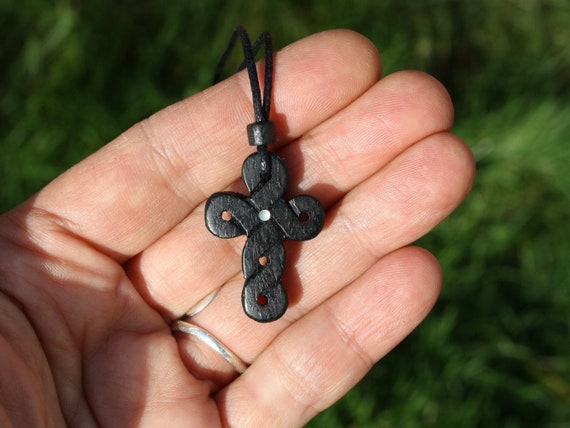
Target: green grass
{"points": [[496, 350]]}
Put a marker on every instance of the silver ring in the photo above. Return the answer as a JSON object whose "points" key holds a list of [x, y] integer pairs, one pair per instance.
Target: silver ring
{"points": [[201, 305], [214, 344], [205, 337]]}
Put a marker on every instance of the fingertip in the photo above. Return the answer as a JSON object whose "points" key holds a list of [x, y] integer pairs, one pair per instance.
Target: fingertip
{"points": [[454, 168], [322, 73], [348, 46], [367, 59], [465, 163], [413, 87], [427, 271], [404, 285]]}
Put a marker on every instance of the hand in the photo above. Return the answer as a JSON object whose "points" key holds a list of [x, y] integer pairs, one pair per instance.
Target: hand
{"points": [[96, 266]]}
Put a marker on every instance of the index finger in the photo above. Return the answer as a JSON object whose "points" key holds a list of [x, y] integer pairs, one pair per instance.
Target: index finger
{"points": [[135, 189]]}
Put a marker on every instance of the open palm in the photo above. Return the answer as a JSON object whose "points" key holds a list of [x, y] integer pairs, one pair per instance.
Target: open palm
{"points": [[96, 266]]}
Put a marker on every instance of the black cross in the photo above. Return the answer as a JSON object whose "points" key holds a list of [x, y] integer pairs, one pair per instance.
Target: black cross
{"points": [[267, 219]]}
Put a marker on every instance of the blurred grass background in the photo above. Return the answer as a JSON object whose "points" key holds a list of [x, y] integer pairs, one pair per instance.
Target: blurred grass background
{"points": [[496, 350]]}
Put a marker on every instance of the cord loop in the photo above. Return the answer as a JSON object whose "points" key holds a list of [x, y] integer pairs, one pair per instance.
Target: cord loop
{"points": [[261, 133]]}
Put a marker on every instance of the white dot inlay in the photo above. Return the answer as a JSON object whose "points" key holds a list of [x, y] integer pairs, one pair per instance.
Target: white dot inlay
{"points": [[264, 215]]}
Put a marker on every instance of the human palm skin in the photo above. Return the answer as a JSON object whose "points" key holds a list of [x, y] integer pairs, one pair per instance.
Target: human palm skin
{"points": [[96, 266]]}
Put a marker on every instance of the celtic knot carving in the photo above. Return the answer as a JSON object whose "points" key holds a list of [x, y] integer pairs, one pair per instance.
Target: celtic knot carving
{"points": [[266, 219]]}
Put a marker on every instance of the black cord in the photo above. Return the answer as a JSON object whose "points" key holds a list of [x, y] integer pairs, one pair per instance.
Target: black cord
{"points": [[261, 132], [261, 106]]}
